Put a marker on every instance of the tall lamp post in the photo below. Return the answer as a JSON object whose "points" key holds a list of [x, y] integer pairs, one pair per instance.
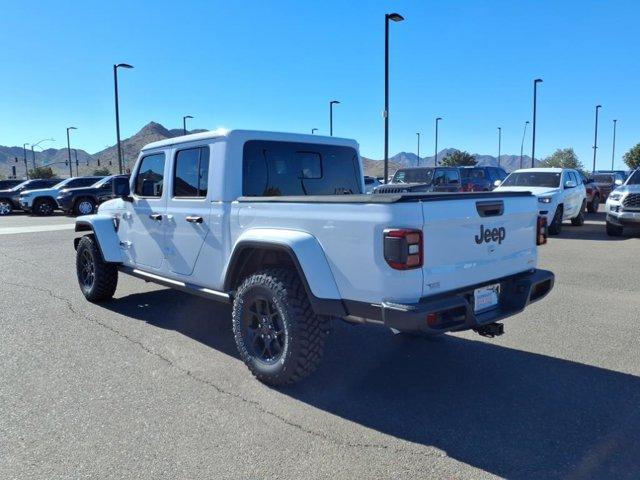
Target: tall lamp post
{"points": [[313, 131], [331, 104], [595, 139], [115, 86], [524, 134], [418, 134], [613, 151], [24, 153], [184, 124], [69, 150], [533, 134], [499, 143], [33, 153], [435, 156], [75, 153], [394, 17]]}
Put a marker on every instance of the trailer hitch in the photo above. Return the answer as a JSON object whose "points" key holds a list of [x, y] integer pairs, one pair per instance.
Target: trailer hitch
{"points": [[490, 330]]}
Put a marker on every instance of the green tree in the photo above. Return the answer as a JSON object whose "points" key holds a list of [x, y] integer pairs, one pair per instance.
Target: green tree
{"points": [[562, 158], [632, 157], [102, 171], [459, 159], [41, 172]]}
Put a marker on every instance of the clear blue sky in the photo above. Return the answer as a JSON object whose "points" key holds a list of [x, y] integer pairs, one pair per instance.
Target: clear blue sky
{"points": [[274, 65]]}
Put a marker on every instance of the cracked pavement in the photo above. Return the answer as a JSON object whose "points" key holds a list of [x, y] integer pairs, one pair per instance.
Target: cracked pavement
{"points": [[149, 385]]}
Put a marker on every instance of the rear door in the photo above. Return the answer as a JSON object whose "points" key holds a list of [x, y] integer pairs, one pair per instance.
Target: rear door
{"points": [[188, 208], [477, 239]]}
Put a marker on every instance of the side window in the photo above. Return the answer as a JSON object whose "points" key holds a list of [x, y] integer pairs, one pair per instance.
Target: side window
{"points": [[452, 177], [191, 173], [439, 177], [107, 185], [150, 176], [81, 182]]}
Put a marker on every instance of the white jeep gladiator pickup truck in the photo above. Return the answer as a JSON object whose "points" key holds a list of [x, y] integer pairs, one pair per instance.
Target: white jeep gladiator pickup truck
{"points": [[279, 225]]}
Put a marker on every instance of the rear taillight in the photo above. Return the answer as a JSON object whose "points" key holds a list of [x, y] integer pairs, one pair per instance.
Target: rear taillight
{"points": [[403, 248], [541, 231], [589, 190]]}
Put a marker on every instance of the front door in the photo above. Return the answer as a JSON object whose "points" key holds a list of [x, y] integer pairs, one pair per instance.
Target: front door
{"points": [[188, 209], [142, 222]]}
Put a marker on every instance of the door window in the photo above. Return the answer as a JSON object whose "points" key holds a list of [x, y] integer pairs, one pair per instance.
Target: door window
{"points": [[191, 173], [150, 176], [452, 177], [439, 178]]}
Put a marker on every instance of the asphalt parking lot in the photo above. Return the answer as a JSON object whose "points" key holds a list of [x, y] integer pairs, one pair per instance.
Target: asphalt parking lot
{"points": [[149, 385]]}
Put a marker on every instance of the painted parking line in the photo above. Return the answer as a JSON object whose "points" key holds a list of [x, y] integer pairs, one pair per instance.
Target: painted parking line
{"points": [[35, 229]]}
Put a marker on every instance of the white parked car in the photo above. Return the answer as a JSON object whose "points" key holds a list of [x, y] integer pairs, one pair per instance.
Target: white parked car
{"points": [[623, 206], [278, 225], [561, 193], [43, 201]]}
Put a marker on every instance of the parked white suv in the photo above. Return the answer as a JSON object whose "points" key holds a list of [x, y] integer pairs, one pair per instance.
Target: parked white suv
{"points": [[623, 206], [561, 193], [279, 226], [43, 201]]}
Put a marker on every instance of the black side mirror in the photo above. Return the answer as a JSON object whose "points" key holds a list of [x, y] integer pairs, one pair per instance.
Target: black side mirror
{"points": [[121, 188]]}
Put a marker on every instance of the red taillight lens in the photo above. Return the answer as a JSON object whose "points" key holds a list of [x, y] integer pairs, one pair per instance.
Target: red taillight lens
{"points": [[541, 231], [403, 248]]}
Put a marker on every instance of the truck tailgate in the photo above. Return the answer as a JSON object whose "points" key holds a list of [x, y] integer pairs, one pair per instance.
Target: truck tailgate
{"points": [[476, 240]]}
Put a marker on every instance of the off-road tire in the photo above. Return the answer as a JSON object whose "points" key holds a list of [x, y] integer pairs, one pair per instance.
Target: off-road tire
{"points": [[578, 220], [304, 332], [556, 224], [105, 275], [614, 230], [592, 206], [5, 207], [43, 207], [77, 206]]}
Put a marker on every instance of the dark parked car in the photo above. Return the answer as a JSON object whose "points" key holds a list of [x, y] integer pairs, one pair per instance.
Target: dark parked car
{"points": [[10, 198], [423, 179], [623, 173], [7, 184], [481, 179], [607, 182], [83, 201]]}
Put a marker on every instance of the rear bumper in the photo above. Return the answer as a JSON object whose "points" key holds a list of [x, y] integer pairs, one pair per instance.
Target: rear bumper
{"points": [[454, 311]]}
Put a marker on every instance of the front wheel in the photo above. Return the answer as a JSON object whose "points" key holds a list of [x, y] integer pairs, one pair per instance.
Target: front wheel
{"points": [[578, 220], [44, 207], [97, 279], [278, 336], [5, 207], [556, 224]]}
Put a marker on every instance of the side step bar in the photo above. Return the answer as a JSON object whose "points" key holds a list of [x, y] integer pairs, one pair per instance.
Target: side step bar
{"points": [[178, 285]]}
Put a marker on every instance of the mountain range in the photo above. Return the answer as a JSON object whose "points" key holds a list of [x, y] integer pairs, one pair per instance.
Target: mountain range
{"points": [[108, 158]]}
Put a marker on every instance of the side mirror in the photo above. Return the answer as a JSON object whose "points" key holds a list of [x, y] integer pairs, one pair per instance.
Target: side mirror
{"points": [[570, 184], [121, 188], [497, 183], [618, 182]]}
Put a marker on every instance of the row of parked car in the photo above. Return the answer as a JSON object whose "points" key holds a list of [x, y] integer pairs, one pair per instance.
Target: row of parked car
{"points": [[43, 196]]}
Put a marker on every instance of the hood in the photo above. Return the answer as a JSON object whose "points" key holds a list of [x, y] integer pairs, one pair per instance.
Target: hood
{"points": [[627, 188], [537, 191], [90, 188], [40, 191]]}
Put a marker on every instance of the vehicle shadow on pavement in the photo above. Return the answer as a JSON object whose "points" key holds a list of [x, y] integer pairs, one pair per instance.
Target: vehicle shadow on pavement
{"points": [[509, 412], [594, 228]]}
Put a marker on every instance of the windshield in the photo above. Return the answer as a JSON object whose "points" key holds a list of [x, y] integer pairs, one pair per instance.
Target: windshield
{"points": [[414, 175], [20, 185], [101, 182], [634, 179], [533, 179], [62, 183], [603, 178]]}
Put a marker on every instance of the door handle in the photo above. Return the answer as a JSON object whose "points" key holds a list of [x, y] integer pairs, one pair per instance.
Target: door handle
{"points": [[193, 219], [155, 216]]}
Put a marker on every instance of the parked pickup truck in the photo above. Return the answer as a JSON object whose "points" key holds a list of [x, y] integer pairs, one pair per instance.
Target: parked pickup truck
{"points": [[278, 225]]}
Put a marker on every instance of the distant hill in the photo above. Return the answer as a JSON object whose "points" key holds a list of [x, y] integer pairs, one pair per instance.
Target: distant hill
{"points": [[154, 131]]}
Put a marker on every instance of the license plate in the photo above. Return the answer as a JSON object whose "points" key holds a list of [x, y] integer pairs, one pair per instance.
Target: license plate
{"points": [[485, 297]]}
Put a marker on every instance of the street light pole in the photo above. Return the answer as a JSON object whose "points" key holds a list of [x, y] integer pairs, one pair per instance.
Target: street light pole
{"points": [[69, 150], [33, 153], [75, 153], [499, 143], [418, 134], [524, 133], [313, 131], [331, 104], [396, 18], [613, 151], [24, 153], [115, 86], [184, 124], [435, 156], [595, 139], [533, 135]]}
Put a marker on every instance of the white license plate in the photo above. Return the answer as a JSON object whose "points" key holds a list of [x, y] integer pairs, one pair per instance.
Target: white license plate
{"points": [[485, 297]]}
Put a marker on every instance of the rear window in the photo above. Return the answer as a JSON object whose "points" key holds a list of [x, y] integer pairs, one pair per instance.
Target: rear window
{"points": [[533, 179], [413, 175], [603, 178], [290, 168], [472, 173]]}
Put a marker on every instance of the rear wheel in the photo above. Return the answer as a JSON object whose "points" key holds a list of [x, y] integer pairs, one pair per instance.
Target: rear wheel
{"points": [[5, 207], [44, 207], [592, 206], [556, 224], [84, 206], [97, 279], [278, 336], [578, 220], [614, 230]]}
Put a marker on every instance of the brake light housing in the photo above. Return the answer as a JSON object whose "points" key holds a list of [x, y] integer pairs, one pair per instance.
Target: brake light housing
{"points": [[541, 231], [403, 248]]}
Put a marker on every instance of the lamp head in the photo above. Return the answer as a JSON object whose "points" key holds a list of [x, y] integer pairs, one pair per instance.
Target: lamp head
{"points": [[123, 65], [396, 17]]}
